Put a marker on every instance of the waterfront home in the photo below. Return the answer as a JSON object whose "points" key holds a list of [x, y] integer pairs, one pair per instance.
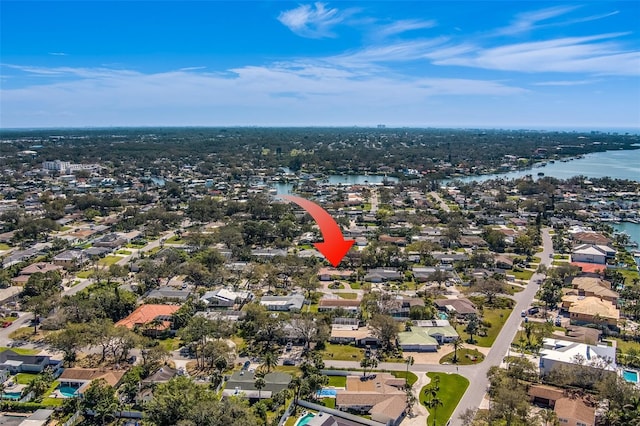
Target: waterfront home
{"points": [[590, 253]]}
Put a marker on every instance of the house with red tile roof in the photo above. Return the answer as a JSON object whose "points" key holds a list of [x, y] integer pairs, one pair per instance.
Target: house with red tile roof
{"points": [[146, 314]]}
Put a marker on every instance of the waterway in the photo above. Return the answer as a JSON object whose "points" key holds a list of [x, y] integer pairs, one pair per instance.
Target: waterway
{"points": [[287, 188], [619, 164], [632, 229]]}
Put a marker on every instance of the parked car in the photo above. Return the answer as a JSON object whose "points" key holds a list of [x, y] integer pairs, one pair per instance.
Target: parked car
{"points": [[289, 346], [534, 310], [523, 314]]}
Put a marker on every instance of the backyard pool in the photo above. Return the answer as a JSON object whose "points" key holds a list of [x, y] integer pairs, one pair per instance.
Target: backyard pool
{"points": [[324, 393], [11, 395], [443, 316], [67, 391], [630, 376], [302, 421]]}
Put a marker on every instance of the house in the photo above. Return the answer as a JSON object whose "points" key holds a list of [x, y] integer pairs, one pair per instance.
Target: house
{"points": [[18, 363], [163, 375], [147, 314], [42, 267], [590, 309], [242, 384], [470, 241], [111, 241], [349, 333], [224, 298], [291, 303], [591, 253], [417, 340], [594, 286], [460, 306], [400, 307], [380, 396], [595, 238], [81, 378], [562, 352], [572, 411], [168, 292], [328, 303], [70, 258], [380, 275], [330, 274]]}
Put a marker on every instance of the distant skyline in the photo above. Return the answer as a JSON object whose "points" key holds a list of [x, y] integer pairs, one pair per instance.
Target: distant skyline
{"points": [[500, 64]]}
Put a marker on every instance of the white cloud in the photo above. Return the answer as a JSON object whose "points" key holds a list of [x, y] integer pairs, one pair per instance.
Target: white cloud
{"points": [[312, 21], [566, 82], [404, 26], [529, 20], [593, 54]]}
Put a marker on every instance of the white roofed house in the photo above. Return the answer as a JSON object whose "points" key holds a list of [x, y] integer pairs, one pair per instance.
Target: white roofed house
{"points": [[591, 253], [292, 302], [224, 298], [556, 352]]}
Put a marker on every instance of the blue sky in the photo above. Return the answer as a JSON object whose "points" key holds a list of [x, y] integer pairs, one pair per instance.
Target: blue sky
{"points": [[507, 64]]}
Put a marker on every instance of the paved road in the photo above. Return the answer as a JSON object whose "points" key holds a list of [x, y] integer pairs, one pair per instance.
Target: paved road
{"points": [[477, 374], [443, 205]]}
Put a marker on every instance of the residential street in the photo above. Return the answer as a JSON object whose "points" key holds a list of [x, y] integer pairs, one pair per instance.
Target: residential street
{"points": [[477, 374]]}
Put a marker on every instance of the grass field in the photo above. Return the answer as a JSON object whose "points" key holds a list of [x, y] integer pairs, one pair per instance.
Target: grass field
{"points": [[125, 252], [4, 246], [351, 296], [452, 387], [337, 381], [355, 286], [465, 357], [497, 318], [25, 378], [175, 240], [522, 275], [109, 260], [84, 274], [22, 351], [342, 352], [410, 377]]}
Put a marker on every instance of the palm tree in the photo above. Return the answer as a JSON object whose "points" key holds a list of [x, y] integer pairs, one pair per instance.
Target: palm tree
{"points": [[295, 384], [259, 384], [433, 403], [409, 362], [269, 361], [549, 417], [457, 345]]}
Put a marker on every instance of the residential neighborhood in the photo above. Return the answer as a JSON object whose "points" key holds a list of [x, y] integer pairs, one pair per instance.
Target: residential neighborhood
{"points": [[129, 290]]}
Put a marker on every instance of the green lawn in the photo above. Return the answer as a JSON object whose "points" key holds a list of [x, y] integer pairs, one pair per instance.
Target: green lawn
{"points": [[22, 351], [338, 381], [522, 275], [53, 402], [410, 377], [175, 240], [629, 276], [351, 296], [313, 307], [290, 369], [170, 344], [109, 260], [625, 346], [125, 252], [355, 286], [4, 246], [465, 357], [494, 317], [329, 402], [25, 378], [452, 387], [342, 352], [84, 274], [561, 256]]}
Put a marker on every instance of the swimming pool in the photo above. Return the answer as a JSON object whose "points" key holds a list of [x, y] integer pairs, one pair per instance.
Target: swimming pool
{"points": [[443, 316], [630, 376], [11, 395], [327, 393], [302, 421], [68, 391]]}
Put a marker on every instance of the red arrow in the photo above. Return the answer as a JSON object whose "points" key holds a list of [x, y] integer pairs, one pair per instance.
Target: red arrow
{"points": [[334, 246]]}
